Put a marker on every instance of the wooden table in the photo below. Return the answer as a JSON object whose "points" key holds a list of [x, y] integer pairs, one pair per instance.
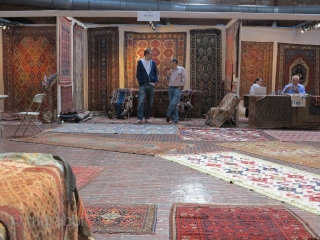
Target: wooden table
{"points": [[1, 127]]}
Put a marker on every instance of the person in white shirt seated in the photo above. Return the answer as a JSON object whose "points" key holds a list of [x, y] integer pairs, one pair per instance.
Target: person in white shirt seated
{"points": [[295, 87], [257, 83]]}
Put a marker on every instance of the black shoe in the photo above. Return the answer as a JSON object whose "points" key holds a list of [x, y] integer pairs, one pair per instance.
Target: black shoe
{"points": [[168, 119]]}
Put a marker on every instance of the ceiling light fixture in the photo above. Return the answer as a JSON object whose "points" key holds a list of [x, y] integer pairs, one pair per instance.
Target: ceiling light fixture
{"points": [[153, 25]]}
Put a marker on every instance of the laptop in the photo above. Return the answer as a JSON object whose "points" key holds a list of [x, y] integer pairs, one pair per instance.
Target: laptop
{"points": [[260, 91]]}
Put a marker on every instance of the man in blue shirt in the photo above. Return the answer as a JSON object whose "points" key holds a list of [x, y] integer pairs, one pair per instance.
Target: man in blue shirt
{"points": [[294, 87], [147, 76]]}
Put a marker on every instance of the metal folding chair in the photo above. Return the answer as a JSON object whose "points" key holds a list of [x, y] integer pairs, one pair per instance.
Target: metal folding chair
{"points": [[27, 118]]}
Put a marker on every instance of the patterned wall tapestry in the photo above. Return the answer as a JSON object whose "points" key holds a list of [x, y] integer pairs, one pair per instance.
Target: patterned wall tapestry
{"points": [[256, 61], [232, 35], [301, 60], [66, 99], [29, 53], [65, 51], [205, 65], [103, 44], [164, 45], [78, 56]]}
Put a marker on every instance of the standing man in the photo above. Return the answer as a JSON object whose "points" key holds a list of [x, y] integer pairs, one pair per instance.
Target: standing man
{"points": [[147, 76], [294, 87], [177, 79]]}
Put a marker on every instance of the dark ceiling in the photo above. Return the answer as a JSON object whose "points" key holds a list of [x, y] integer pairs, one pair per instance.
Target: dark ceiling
{"points": [[122, 20]]}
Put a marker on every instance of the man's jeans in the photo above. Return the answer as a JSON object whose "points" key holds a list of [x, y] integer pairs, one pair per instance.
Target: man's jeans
{"points": [[145, 91], [174, 98]]}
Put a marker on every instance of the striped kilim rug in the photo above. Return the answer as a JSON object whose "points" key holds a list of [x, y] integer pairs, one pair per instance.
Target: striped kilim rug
{"points": [[289, 152], [220, 134], [116, 128], [294, 136], [288, 185]]}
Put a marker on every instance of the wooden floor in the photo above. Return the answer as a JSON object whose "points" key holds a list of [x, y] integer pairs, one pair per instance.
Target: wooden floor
{"points": [[131, 178]]}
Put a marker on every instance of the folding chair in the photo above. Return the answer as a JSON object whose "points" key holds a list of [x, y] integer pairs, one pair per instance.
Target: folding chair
{"points": [[32, 112]]}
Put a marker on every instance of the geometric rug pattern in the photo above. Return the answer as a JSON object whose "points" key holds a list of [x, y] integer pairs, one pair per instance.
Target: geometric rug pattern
{"points": [[103, 66], [86, 174], [154, 121], [65, 51], [29, 53], [294, 136], [164, 46], [298, 59], [294, 187], [256, 61], [127, 219], [220, 134], [289, 152], [205, 221], [98, 142], [206, 65], [117, 128], [78, 63]]}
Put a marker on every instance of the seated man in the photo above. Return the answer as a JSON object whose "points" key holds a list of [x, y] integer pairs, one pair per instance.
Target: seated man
{"points": [[294, 87]]}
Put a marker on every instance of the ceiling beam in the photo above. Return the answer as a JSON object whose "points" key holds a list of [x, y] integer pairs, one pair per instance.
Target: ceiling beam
{"points": [[165, 14]]}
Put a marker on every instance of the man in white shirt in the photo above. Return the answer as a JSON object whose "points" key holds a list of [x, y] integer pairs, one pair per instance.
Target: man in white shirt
{"points": [[177, 80]]}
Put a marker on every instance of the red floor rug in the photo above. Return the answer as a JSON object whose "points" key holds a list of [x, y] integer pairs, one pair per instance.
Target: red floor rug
{"points": [[86, 174], [220, 134], [129, 219], [294, 136], [196, 221], [99, 142]]}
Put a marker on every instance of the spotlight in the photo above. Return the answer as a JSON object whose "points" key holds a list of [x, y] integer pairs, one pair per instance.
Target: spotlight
{"points": [[152, 25]]}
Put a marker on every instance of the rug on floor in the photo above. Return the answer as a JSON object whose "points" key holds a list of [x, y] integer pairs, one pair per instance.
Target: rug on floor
{"points": [[86, 174], [129, 219], [154, 121], [92, 141], [208, 221], [289, 152], [285, 184], [220, 134], [116, 128], [294, 136]]}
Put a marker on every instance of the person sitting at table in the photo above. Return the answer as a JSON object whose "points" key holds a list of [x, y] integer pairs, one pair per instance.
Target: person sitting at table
{"points": [[257, 83], [294, 87]]}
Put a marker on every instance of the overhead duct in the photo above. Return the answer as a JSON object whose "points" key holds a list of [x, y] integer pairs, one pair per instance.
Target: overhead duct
{"points": [[145, 5]]}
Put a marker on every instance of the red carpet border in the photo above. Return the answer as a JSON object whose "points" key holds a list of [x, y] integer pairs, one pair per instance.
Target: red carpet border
{"points": [[294, 136], [220, 134], [86, 174], [92, 141], [128, 219], [196, 221]]}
